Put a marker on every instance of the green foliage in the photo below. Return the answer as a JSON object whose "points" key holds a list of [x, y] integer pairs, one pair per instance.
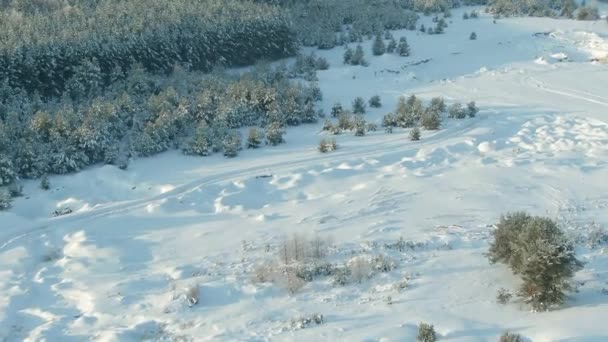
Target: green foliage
{"points": [[254, 138], [5, 199], [359, 106], [378, 48], [415, 134], [426, 333], [375, 101], [510, 337], [537, 250], [327, 145], [404, 48]]}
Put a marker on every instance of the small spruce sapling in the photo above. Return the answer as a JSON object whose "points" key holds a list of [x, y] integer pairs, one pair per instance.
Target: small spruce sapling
{"points": [[359, 105], [415, 134], [375, 102]]}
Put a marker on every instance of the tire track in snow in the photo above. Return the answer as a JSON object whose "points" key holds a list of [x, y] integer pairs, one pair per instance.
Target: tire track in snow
{"points": [[310, 158]]}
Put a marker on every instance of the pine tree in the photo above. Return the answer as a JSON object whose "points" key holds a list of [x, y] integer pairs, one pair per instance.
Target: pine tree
{"points": [[378, 47], [473, 36], [7, 171], [348, 56], [465, 16], [232, 144], [45, 184], [392, 45], [5, 199], [359, 105], [359, 57], [359, 126], [415, 134], [375, 101], [254, 139], [404, 48], [336, 110], [422, 28], [472, 109], [431, 119], [274, 134]]}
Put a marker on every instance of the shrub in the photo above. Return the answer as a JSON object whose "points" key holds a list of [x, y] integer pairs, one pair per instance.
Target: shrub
{"points": [[322, 64], [359, 126], [456, 111], [372, 127], [378, 47], [5, 199], [472, 109], [510, 337], [403, 48], [7, 171], [341, 276], [537, 250], [336, 109], [431, 119], [345, 122], [588, 13], [327, 145], [359, 105], [348, 55], [254, 138], [473, 36], [503, 296], [274, 134], [415, 134], [360, 268], [304, 322], [392, 45], [15, 189], [232, 144], [382, 264], [375, 102], [45, 184], [426, 333]]}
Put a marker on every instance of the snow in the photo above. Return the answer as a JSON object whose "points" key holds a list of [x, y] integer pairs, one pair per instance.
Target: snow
{"points": [[120, 267]]}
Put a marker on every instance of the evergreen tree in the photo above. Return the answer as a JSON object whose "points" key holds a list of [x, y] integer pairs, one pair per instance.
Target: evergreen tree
{"points": [[348, 56], [431, 119], [336, 110], [415, 134], [392, 46], [5, 199], [473, 36], [359, 105], [359, 126], [378, 47], [7, 171], [422, 28], [359, 57], [274, 134], [404, 47], [45, 184], [472, 109], [465, 16], [375, 102], [254, 139], [232, 144]]}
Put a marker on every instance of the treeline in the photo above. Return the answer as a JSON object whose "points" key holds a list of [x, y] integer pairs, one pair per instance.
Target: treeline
{"points": [[146, 114], [536, 8], [82, 49]]}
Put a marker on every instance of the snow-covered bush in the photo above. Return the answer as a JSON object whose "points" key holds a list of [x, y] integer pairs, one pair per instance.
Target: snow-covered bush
{"points": [[588, 13], [473, 36], [359, 126], [472, 109], [415, 134], [274, 134], [598, 236], [254, 138], [7, 171], [341, 276], [232, 144], [380, 263], [360, 268], [336, 110], [403, 49], [537, 250], [372, 127], [306, 321], [327, 145], [426, 333]]}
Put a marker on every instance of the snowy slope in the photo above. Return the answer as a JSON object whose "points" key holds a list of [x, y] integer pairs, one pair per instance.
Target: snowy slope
{"points": [[117, 268]]}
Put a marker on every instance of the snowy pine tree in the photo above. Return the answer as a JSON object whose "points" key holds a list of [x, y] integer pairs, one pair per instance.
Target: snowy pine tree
{"points": [[254, 138], [404, 48], [378, 47]]}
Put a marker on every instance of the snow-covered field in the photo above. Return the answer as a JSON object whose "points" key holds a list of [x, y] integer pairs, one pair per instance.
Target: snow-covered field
{"points": [[118, 268]]}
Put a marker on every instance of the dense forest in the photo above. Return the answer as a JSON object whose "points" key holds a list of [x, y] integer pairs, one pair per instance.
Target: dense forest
{"points": [[91, 81]]}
